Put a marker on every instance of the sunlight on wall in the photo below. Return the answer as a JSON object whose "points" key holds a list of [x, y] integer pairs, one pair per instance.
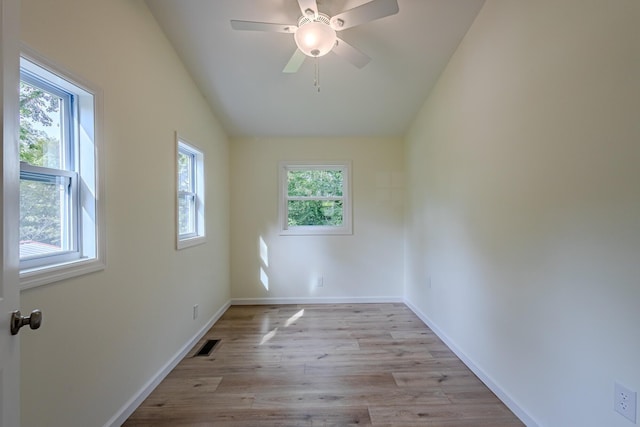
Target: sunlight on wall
{"points": [[264, 257], [264, 278], [314, 280], [264, 252]]}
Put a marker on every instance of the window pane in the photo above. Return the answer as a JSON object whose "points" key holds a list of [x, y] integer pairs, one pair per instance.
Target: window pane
{"points": [[42, 217], [314, 183], [185, 172], [41, 127], [315, 212], [186, 214]]}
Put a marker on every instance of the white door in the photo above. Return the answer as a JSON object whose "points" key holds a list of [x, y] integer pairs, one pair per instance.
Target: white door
{"points": [[9, 220]]}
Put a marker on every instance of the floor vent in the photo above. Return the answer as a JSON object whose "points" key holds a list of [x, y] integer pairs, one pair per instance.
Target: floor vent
{"points": [[207, 348]]}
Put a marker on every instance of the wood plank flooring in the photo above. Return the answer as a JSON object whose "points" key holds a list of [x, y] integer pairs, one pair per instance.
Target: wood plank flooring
{"points": [[322, 365]]}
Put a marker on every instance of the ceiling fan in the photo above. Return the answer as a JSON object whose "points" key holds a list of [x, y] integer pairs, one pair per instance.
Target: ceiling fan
{"points": [[315, 34]]}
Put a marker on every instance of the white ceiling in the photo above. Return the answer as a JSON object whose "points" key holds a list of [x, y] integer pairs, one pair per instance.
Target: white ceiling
{"points": [[240, 72]]}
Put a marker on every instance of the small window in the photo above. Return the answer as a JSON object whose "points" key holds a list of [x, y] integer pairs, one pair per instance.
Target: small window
{"points": [[60, 233], [190, 197], [315, 198]]}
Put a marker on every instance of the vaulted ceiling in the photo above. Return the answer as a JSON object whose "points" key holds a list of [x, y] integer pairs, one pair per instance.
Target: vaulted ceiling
{"points": [[240, 72]]}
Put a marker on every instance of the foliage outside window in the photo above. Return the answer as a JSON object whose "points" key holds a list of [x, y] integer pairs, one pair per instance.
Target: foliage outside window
{"points": [[59, 211], [314, 198], [190, 196]]}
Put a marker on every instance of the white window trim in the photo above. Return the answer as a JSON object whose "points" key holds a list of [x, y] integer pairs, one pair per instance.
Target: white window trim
{"points": [[92, 207], [200, 235], [347, 225]]}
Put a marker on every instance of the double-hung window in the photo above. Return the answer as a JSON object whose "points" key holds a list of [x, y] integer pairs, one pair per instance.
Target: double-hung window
{"points": [[315, 198], [190, 197], [59, 212]]}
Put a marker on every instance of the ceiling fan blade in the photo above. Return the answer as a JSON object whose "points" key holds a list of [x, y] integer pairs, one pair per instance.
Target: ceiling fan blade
{"points": [[306, 5], [295, 62], [350, 53], [367, 12], [263, 26]]}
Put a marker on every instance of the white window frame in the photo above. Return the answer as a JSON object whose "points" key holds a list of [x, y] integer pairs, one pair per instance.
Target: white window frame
{"points": [[345, 229], [196, 192], [83, 173]]}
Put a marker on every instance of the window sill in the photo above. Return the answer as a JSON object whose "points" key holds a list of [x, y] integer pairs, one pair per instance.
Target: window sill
{"points": [[44, 275], [193, 241], [316, 231]]}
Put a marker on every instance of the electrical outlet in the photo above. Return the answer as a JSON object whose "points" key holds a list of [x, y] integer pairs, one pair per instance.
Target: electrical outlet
{"points": [[195, 312], [320, 283], [624, 402]]}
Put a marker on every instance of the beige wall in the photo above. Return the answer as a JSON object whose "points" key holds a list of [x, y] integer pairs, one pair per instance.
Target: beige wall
{"points": [[106, 334], [367, 264], [524, 204]]}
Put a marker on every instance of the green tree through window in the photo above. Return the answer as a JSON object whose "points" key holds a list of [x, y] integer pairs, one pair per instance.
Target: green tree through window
{"points": [[315, 198], [309, 184]]}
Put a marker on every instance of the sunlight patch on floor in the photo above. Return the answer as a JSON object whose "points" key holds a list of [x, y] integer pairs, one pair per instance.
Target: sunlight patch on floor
{"points": [[293, 318]]}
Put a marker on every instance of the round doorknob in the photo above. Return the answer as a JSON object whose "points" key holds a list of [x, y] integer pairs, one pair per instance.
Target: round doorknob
{"points": [[34, 320]]}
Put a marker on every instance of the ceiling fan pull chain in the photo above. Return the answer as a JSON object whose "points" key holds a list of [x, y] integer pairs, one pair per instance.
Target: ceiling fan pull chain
{"points": [[316, 83]]}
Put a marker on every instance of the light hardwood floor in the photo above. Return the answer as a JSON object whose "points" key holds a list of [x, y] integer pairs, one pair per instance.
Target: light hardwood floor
{"points": [[322, 365]]}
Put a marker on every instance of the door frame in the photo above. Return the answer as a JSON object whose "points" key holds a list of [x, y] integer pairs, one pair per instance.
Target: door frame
{"points": [[9, 208]]}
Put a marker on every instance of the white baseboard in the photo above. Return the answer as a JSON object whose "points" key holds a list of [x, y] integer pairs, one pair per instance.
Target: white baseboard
{"points": [[125, 412], [318, 300], [480, 373]]}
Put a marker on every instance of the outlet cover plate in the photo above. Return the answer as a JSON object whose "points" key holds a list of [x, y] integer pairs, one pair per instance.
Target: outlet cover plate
{"points": [[625, 402]]}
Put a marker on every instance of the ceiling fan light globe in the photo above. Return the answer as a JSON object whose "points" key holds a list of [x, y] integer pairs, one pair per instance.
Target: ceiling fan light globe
{"points": [[310, 39], [315, 39]]}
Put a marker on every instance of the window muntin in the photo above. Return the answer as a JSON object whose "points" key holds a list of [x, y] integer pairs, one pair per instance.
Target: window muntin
{"points": [[190, 195], [60, 174], [314, 198]]}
